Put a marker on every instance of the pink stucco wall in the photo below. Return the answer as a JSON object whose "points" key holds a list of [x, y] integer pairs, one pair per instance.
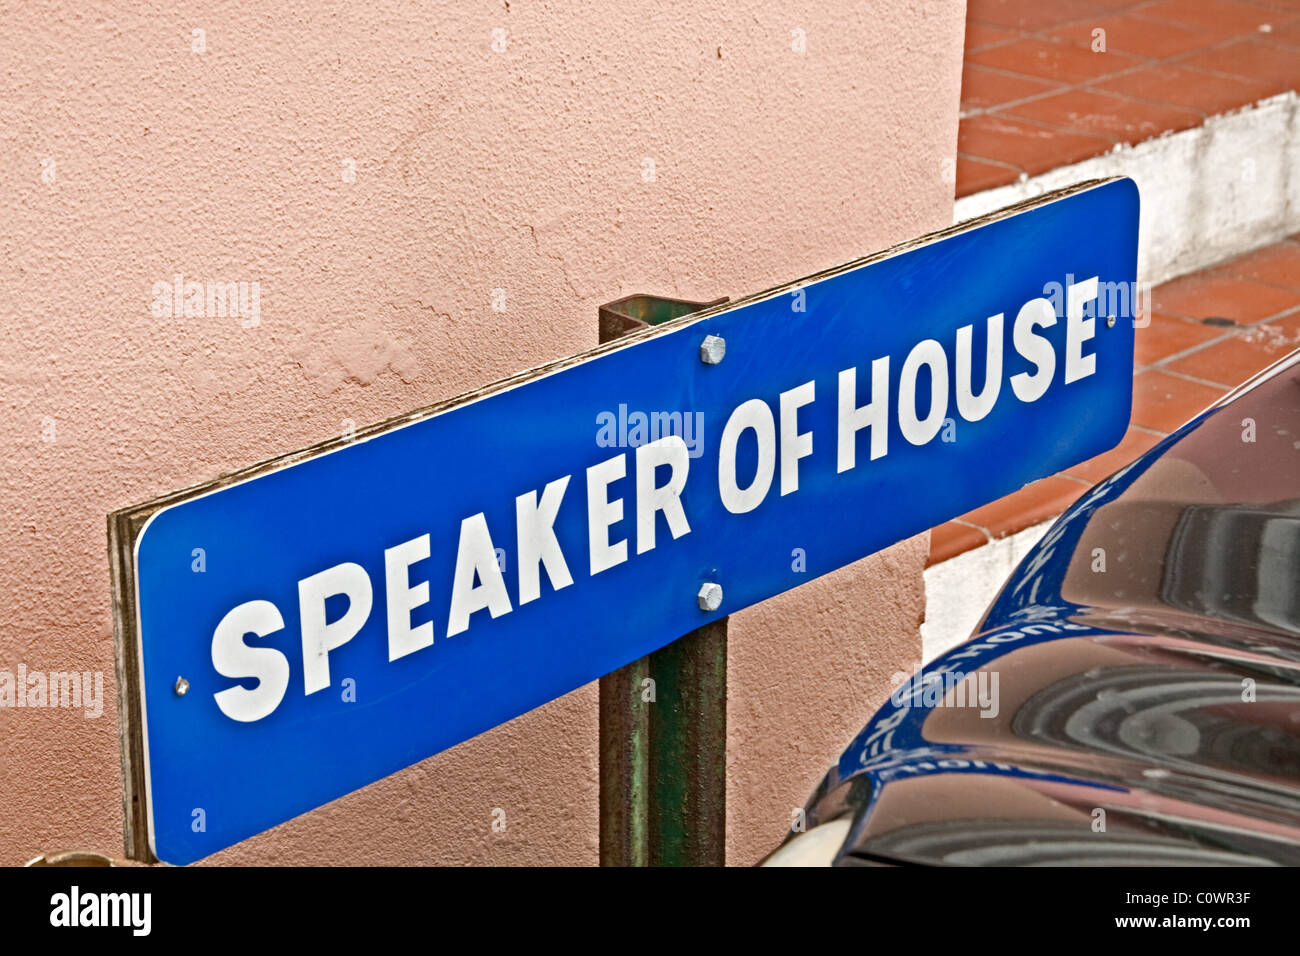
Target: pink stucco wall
{"points": [[126, 157]]}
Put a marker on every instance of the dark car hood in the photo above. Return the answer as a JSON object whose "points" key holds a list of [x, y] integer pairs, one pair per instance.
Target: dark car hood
{"points": [[1133, 694]]}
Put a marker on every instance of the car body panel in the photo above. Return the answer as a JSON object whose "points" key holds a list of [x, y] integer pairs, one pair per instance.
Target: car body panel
{"points": [[1132, 695]]}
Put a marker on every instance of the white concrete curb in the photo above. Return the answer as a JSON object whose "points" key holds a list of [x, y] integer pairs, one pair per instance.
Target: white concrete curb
{"points": [[1210, 193]]}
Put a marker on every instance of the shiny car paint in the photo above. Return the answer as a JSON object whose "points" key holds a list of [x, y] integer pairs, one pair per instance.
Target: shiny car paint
{"points": [[1144, 660]]}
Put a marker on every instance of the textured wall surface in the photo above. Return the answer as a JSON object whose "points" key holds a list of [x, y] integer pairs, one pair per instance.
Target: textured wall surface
{"points": [[127, 157]]}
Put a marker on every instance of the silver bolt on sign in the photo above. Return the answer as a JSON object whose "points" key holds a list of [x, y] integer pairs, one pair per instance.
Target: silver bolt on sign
{"points": [[710, 596], [712, 349]]}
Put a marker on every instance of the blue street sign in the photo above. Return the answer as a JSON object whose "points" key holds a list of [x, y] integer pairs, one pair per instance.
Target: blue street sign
{"points": [[342, 615]]}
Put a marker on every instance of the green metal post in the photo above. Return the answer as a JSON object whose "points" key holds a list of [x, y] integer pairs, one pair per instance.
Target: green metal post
{"points": [[663, 718]]}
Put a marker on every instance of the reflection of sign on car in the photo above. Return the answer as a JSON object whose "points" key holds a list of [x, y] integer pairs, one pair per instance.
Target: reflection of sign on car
{"points": [[1150, 700], [365, 604]]}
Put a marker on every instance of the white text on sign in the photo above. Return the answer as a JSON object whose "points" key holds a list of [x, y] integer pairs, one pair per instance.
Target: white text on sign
{"points": [[660, 470]]}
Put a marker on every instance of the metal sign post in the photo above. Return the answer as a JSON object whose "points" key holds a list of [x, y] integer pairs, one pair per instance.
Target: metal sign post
{"points": [[663, 718]]}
